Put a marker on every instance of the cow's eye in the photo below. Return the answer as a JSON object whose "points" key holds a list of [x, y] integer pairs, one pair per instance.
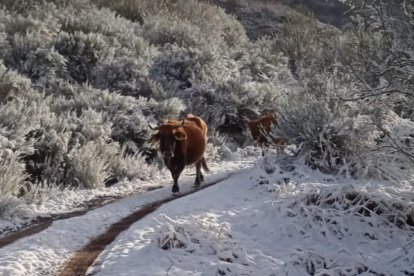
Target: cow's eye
{"points": [[155, 138], [180, 136]]}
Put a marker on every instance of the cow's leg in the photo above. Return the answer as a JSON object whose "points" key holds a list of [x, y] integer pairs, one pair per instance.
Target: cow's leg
{"points": [[198, 174], [175, 175]]}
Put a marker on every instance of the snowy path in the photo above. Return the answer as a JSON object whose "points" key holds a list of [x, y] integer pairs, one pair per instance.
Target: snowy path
{"points": [[82, 259], [45, 252], [214, 249]]}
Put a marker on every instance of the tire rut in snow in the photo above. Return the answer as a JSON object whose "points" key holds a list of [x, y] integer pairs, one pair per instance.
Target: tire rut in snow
{"points": [[79, 263], [43, 223]]}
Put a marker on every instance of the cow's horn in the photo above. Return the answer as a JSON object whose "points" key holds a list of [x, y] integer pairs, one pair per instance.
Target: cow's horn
{"points": [[151, 127], [178, 126]]}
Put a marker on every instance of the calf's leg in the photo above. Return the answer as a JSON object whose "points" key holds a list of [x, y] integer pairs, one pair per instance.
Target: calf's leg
{"points": [[199, 175]]}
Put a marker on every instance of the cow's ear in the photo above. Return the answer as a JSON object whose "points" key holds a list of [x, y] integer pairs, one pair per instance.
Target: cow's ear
{"points": [[180, 136], [155, 138]]}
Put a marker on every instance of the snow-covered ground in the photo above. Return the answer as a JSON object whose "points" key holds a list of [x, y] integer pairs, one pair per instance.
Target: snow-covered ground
{"points": [[43, 253], [253, 223]]}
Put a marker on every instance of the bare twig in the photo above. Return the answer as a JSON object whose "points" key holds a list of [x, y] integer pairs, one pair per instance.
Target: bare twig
{"points": [[171, 265]]}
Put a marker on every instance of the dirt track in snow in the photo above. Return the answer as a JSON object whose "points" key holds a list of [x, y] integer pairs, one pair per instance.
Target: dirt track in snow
{"points": [[79, 263], [43, 223]]}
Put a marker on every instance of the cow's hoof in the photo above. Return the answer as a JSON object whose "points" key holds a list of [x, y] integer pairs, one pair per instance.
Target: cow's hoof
{"points": [[175, 189], [176, 194]]}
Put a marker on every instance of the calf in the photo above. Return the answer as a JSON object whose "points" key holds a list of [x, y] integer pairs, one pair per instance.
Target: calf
{"points": [[261, 131]]}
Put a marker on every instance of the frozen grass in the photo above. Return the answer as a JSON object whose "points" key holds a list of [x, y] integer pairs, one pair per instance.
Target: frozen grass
{"points": [[200, 235]]}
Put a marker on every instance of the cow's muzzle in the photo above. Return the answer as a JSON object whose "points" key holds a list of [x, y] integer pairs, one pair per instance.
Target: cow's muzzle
{"points": [[168, 154]]}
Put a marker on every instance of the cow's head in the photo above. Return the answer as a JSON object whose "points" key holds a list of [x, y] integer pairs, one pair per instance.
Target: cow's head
{"points": [[168, 136]]}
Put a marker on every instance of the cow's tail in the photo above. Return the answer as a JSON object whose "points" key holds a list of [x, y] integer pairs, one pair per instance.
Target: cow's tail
{"points": [[204, 165]]}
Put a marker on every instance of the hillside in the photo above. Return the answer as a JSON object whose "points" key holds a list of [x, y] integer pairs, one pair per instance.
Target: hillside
{"points": [[81, 80]]}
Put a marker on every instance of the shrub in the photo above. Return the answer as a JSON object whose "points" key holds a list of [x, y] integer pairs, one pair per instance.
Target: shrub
{"points": [[160, 31], [213, 22], [170, 108], [82, 52], [13, 85], [209, 104], [261, 21], [327, 131], [130, 130], [391, 157], [12, 173], [26, 35], [196, 235], [124, 75], [131, 166], [178, 68], [43, 65], [310, 47], [89, 164]]}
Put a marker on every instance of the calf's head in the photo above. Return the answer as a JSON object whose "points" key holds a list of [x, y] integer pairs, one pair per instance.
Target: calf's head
{"points": [[168, 136]]}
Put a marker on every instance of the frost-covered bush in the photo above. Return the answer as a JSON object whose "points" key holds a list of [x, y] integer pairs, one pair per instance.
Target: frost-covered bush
{"points": [[307, 262], [92, 125], [13, 85], [311, 48], [379, 54], [39, 193], [356, 203], [209, 104], [327, 131], [77, 98], [170, 108], [160, 31], [12, 173], [391, 157], [89, 164], [213, 22], [351, 217], [131, 166], [18, 117], [218, 148], [26, 35], [82, 52], [347, 85], [260, 20], [178, 67], [45, 164], [43, 65], [55, 137], [103, 21], [203, 235], [124, 75], [131, 130], [124, 36]]}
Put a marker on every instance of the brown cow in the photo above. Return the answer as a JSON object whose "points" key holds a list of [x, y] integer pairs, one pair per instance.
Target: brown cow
{"points": [[261, 130], [183, 143]]}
